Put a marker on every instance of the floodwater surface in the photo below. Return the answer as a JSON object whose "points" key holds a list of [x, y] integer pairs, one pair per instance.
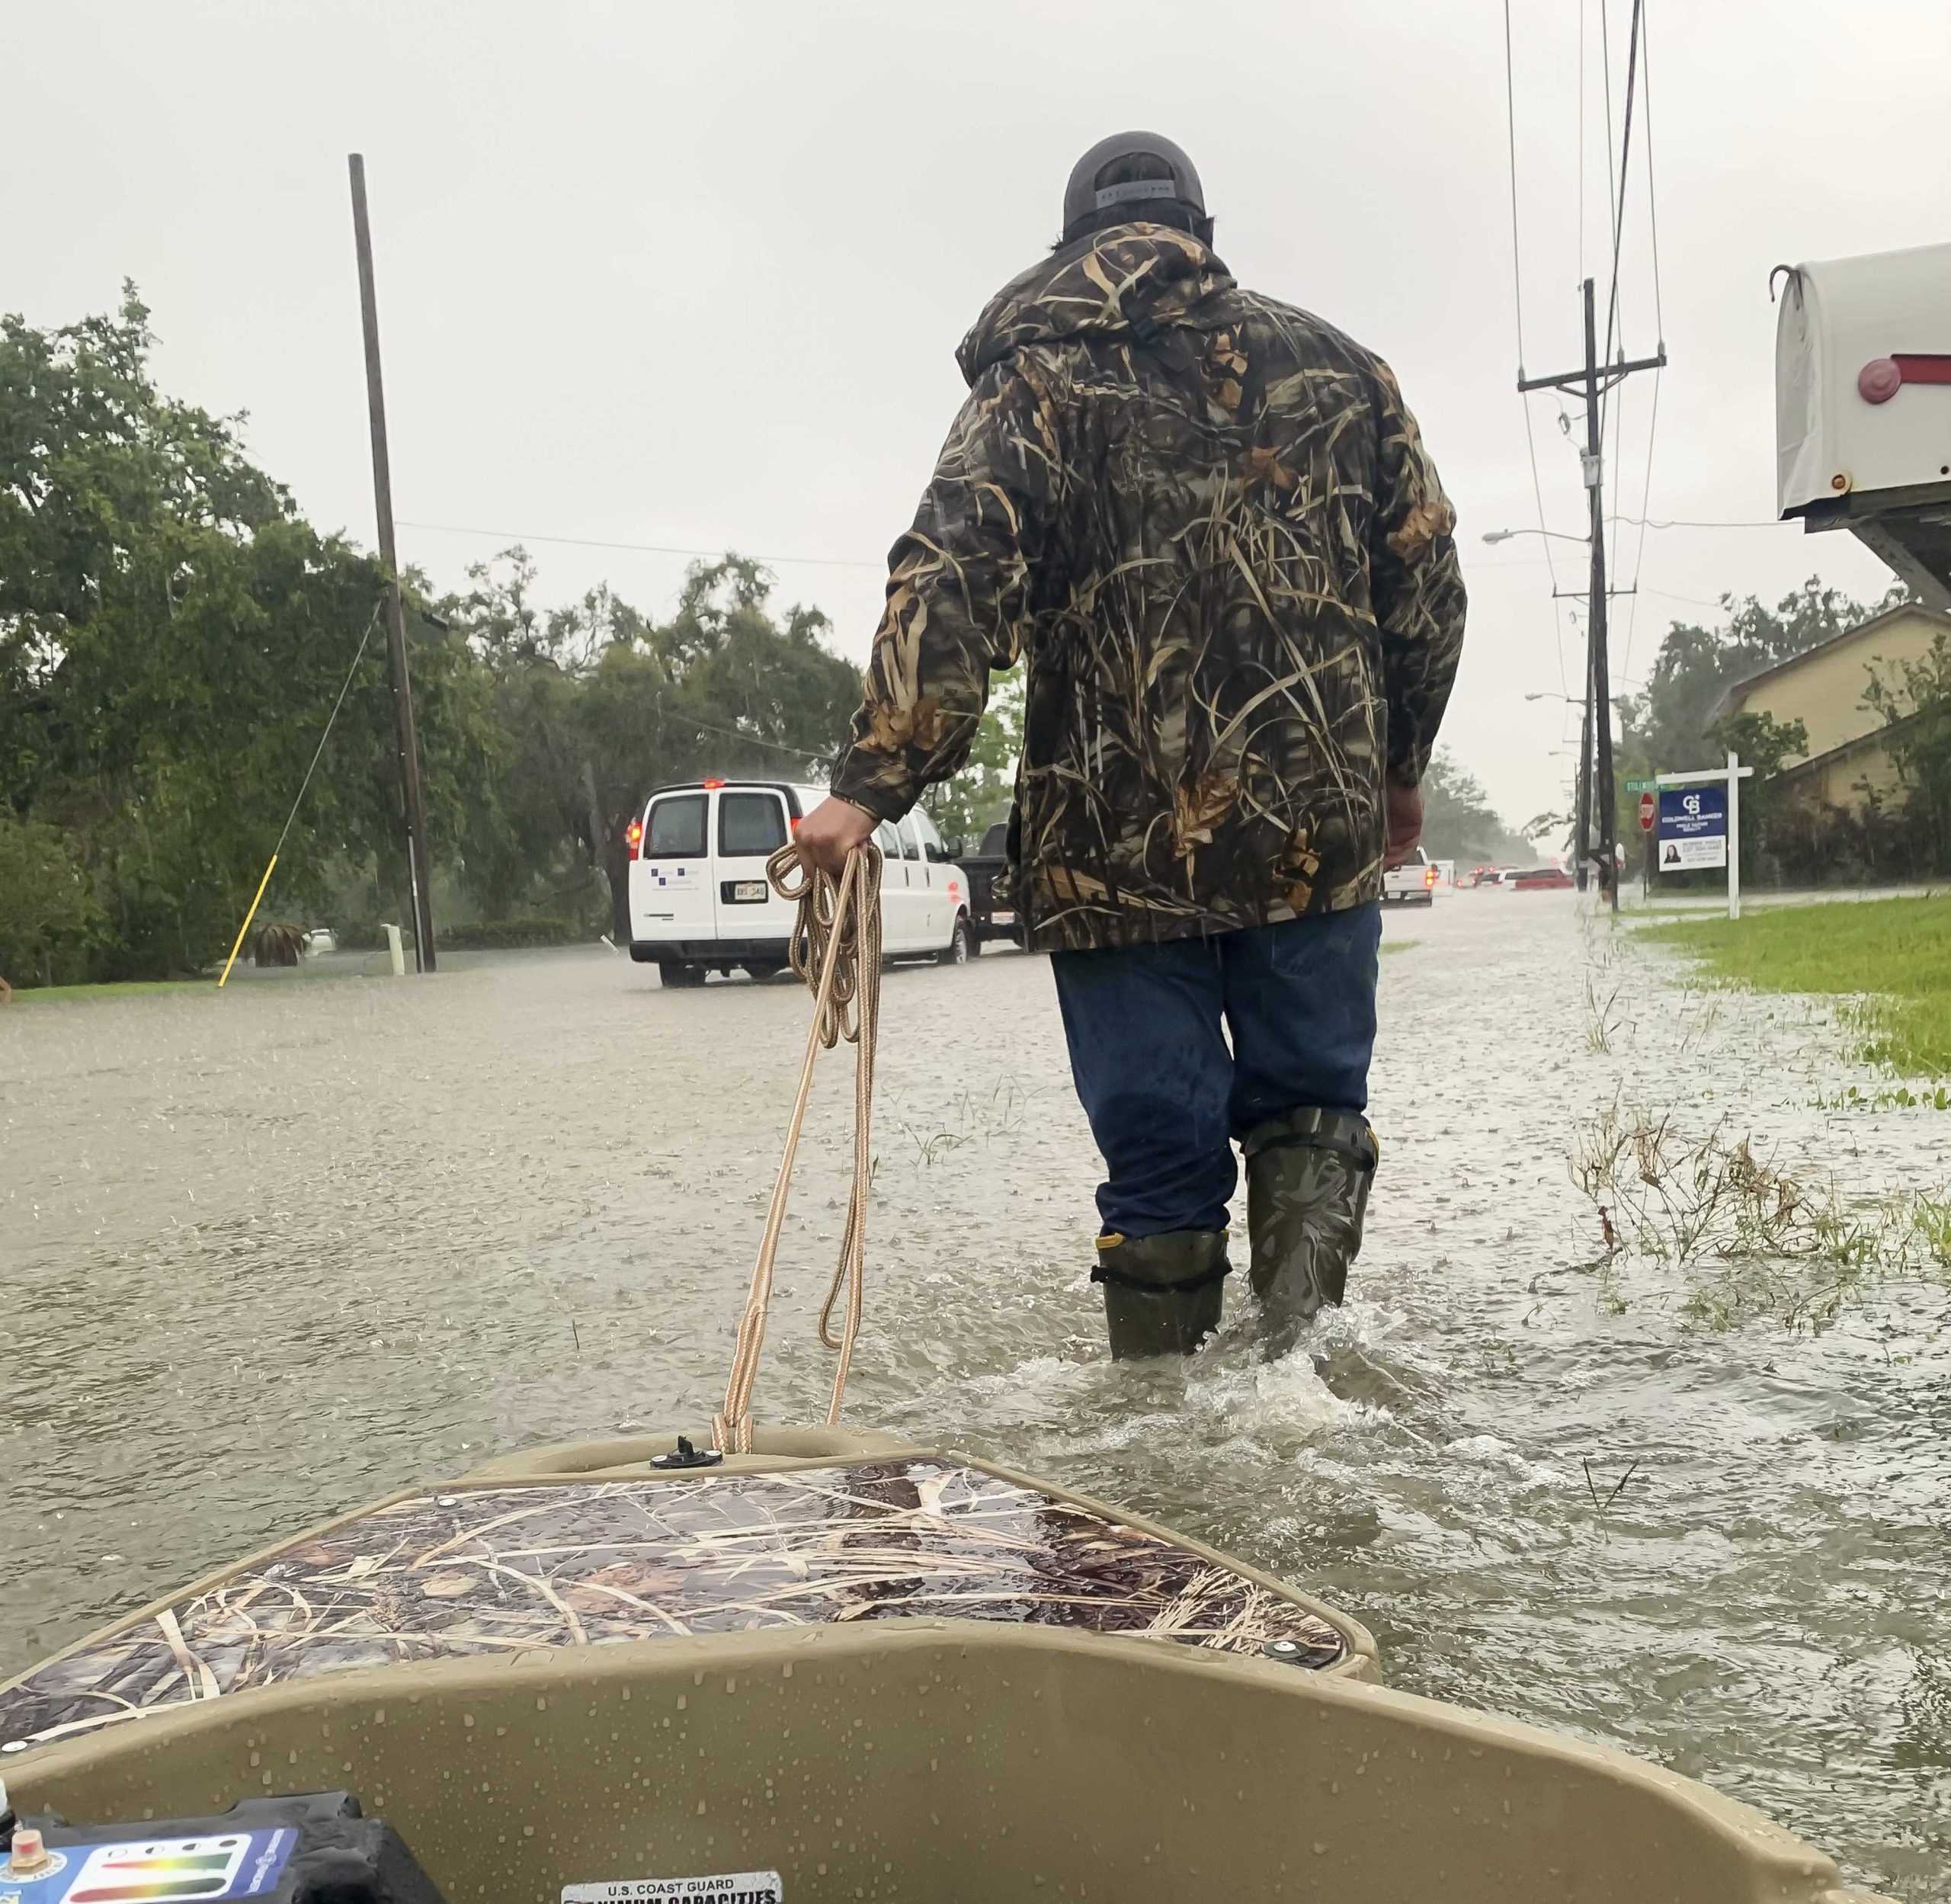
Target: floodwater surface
{"points": [[270, 1254]]}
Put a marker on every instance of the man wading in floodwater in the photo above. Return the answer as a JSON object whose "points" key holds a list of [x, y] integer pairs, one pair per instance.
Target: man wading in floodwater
{"points": [[1209, 523]]}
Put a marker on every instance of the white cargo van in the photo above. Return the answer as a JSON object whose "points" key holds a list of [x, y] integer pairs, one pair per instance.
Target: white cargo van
{"points": [[700, 900]]}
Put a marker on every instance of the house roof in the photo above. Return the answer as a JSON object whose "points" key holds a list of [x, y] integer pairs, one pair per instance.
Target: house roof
{"points": [[1736, 690]]}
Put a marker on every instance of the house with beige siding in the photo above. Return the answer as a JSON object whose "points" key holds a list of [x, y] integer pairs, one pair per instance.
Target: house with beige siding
{"points": [[1823, 688]]}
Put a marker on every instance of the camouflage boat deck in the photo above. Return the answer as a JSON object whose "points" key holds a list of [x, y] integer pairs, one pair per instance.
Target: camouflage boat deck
{"points": [[525, 1570]]}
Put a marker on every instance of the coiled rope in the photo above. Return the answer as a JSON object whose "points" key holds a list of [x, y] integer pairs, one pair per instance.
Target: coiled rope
{"points": [[836, 950]]}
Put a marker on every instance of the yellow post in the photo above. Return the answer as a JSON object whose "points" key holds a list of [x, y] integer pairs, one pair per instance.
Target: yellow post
{"points": [[246, 926]]}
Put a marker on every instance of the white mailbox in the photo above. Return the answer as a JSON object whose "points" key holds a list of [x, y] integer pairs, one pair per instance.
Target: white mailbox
{"points": [[1863, 406]]}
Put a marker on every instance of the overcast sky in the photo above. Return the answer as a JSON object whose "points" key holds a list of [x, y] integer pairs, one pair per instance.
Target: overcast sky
{"points": [[694, 275]]}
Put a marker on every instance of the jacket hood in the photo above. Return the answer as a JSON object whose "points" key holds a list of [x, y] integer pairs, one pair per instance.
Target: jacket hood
{"points": [[1131, 279]]}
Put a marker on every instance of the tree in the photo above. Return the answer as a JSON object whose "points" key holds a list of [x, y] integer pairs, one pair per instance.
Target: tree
{"points": [[965, 807], [597, 703], [1458, 822], [46, 910], [173, 637]]}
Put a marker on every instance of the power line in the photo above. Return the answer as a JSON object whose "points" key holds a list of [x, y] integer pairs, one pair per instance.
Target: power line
{"points": [[1581, 181], [1666, 594], [1517, 300], [1511, 141], [1652, 197], [643, 548], [1660, 326], [1606, 67], [1625, 162], [1639, 554], [1679, 522], [358, 654], [751, 740]]}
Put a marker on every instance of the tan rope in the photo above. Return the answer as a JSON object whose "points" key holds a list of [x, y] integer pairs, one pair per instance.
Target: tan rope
{"points": [[836, 950]]}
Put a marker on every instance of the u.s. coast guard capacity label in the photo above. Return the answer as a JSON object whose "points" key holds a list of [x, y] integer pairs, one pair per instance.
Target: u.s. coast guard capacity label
{"points": [[727, 1887]]}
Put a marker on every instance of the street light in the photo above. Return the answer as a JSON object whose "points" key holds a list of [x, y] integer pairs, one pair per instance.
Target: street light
{"points": [[1557, 535]]}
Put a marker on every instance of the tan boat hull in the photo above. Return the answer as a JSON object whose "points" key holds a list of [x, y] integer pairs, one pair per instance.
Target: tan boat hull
{"points": [[802, 1678]]}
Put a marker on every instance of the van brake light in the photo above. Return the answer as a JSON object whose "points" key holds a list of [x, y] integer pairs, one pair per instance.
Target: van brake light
{"points": [[634, 836]]}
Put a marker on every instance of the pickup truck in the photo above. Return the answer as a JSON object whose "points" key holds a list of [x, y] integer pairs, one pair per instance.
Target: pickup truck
{"points": [[985, 867], [1411, 883]]}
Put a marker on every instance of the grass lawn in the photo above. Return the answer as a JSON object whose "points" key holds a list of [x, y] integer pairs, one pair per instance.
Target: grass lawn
{"points": [[242, 980], [1897, 950], [128, 989]]}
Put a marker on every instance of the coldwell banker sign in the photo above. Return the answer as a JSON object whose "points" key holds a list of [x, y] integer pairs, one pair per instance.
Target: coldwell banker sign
{"points": [[1693, 827]]}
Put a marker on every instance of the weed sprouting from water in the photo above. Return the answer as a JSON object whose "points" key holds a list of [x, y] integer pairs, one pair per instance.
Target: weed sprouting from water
{"points": [[1603, 1017], [1752, 1238], [1603, 1507], [978, 1120]]}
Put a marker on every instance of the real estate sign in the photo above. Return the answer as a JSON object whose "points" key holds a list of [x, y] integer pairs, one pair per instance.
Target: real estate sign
{"points": [[1693, 827]]}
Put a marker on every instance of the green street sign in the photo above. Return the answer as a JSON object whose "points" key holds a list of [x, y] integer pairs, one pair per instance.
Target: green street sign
{"points": [[1642, 787]]}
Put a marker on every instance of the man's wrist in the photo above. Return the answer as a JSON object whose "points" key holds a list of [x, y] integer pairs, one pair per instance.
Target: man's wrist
{"points": [[861, 788]]}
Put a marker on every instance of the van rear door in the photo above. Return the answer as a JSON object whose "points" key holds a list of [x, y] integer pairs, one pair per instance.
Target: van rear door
{"points": [[751, 827], [671, 894]]}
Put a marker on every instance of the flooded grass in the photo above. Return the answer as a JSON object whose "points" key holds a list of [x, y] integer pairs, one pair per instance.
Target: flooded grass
{"points": [[1891, 958], [1754, 1239], [94, 994]]}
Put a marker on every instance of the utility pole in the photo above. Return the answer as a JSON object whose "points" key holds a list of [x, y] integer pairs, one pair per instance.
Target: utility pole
{"points": [[1595, 766], [1582, 823], [419, 872]]}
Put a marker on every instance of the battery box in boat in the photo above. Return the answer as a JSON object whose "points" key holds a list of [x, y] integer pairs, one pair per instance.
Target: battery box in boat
{"points": [[316, 1846]]}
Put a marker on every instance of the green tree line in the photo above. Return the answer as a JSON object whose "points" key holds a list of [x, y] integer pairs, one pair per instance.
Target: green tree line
{"points": [[173, 635]]}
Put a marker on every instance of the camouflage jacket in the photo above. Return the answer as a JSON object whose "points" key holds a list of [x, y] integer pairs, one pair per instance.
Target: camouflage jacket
{"points": [[1209, 524]]}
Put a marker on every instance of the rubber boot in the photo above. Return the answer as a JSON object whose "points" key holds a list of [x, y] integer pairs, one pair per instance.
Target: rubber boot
{"points": [[1308, 1178], [1162, 1294]]}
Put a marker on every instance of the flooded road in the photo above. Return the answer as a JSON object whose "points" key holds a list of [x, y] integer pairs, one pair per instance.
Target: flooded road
{"points": [[267, 1254]]}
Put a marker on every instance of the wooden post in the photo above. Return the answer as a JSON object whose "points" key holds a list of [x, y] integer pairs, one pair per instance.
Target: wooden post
{"points": [[418, 869]]}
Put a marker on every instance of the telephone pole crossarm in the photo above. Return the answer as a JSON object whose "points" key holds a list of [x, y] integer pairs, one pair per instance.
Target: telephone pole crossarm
{"points": [[1574, 381]]}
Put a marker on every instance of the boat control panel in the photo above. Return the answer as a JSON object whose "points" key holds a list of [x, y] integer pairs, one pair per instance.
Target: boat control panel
{"points": [[300, 1850]]}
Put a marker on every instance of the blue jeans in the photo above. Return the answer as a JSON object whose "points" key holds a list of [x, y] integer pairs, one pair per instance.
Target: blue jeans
{"points": [[1166, 1097]]}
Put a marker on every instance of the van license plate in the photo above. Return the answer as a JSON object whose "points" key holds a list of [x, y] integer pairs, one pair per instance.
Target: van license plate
{"points": [[749, 892]]}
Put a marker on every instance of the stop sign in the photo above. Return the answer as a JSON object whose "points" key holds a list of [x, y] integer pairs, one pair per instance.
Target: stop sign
{"points": [[1649, 807]]}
